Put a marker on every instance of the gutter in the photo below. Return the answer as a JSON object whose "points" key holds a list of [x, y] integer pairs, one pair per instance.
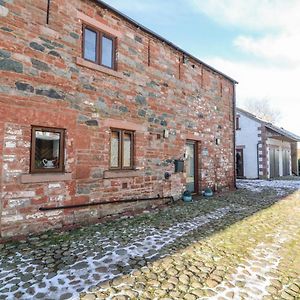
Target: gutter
{"points": [[104, 203], [149, 31]]}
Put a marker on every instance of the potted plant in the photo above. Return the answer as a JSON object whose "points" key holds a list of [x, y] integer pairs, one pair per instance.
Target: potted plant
{"points": [[187, 196], [208, 192]]}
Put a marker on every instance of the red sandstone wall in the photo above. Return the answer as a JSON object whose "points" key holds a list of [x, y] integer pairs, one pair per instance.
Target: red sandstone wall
{"points": [[41, 84]]}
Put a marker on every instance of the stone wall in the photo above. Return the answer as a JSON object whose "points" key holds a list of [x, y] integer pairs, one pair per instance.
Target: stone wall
{"points": [[45, 82], [295, 153], [263, 154]]}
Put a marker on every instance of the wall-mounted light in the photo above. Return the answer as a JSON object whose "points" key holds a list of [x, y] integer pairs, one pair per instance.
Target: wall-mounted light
{"points": [[166, 133], [218, 141], [167, 175]]}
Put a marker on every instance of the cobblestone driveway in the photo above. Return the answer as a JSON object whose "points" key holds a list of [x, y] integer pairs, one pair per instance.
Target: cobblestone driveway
{"points": [[242, 245]]}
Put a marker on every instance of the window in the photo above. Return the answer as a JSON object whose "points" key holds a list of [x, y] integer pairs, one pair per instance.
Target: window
{"points": [[237, 123], [47, 150], [121, 149], [99, 47]]}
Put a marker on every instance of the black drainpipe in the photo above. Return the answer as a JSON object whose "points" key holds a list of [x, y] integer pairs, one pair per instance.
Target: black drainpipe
{"points": [[48, 11], [104, 202], [234, 131]]}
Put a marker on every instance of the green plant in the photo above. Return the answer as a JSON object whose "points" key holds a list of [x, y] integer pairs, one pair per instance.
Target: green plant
{"points": [[187, 193]]}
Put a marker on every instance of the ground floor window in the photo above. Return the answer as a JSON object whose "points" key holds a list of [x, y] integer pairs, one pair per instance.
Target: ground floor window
{"points": [[121, 149], [47, 150]]}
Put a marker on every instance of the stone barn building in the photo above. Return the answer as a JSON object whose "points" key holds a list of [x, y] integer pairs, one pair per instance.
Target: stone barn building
{"points": [[100, 116]]}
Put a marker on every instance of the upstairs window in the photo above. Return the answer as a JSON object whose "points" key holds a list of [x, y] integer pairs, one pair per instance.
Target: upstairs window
{"points": [[99, 47], [237, 123], [121, 149], [47, 150]]}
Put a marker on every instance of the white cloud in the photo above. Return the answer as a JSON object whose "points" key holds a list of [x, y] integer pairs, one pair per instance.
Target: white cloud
{"points": [[277, 21], [252, 14], [283, 48], [271, 32], [278, 85]]}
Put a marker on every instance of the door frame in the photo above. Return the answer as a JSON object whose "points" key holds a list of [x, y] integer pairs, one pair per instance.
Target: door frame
{"points": [[196, 164]]}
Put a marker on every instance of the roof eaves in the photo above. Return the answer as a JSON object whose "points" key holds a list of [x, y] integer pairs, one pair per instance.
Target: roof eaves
{"points": [[149, 31], [283, 132], [250, 115]]}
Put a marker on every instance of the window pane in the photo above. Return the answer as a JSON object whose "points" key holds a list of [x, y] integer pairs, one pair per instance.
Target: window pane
{"points": [[237, 122], [90, 41], [127, 150], [47, 150], [114, 149], [190, 167], [107, 52]]}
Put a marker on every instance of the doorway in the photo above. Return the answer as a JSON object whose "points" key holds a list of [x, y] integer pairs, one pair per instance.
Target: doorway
{"points": [[192, 170], [240, 163]]}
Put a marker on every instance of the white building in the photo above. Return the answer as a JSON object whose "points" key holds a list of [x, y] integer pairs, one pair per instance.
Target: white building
{"points": [[262, 149]]}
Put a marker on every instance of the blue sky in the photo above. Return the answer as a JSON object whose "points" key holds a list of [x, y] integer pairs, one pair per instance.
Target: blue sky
{"points": [[257, 42], [179, 22]]}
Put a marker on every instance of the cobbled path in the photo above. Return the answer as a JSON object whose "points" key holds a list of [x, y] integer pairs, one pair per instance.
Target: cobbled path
{"points": [[241, 245]]}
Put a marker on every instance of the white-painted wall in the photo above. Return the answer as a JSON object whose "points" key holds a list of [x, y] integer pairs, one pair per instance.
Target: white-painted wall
{"points": [[248, 138], [281, 145]]}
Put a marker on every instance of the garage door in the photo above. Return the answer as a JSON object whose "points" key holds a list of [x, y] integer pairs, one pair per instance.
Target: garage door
{"points": [[286, 162], [274, 162]]}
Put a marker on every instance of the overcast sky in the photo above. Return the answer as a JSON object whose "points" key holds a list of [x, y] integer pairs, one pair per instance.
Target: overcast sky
{"points": [[257, 42]]}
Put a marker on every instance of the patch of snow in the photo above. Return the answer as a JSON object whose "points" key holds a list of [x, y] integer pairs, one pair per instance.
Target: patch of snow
{"points": [[255, 272], [281, 186], [74, 279]]}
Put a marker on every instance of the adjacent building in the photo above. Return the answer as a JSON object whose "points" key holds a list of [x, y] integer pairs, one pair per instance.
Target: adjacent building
{"points": [[262, 149], [100, 116]]}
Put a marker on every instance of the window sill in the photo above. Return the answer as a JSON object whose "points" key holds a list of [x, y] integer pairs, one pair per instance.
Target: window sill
{"points": [[85, 63], [109, 174], [40, 178]]}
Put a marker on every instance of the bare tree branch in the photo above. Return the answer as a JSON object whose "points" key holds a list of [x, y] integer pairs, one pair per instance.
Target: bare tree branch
{"points": [[263, 109]]}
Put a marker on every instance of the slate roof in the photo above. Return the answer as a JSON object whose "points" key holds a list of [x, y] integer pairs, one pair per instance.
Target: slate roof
{"points": [[270, 126]]}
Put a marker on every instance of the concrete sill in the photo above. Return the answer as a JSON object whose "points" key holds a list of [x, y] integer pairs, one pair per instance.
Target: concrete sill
{"points": [[121, 173], [40, 178], [85, 63]]}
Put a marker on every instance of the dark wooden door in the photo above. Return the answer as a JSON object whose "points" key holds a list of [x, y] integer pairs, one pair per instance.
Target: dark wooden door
{"points": [[239, 163]]}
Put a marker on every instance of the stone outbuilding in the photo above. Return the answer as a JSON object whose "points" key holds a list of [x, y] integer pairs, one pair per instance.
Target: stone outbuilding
{"points": [[262, 149], [100, 116]]}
